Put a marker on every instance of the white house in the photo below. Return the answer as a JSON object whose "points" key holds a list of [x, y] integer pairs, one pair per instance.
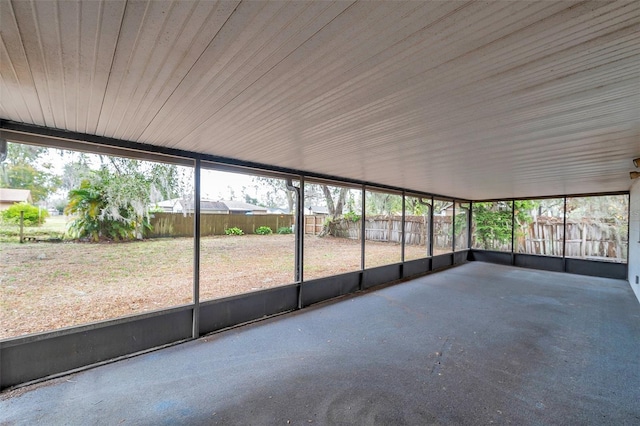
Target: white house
{"points": [[9, 197]]}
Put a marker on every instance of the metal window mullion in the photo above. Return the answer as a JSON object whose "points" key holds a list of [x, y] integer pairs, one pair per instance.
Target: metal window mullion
{"points": [[469, 223], [453, 233], [195, 332], [403, 224], [363, 219], [629, 232], [513, 231], [299, 236], [564, 235], [300, 233], [431, 235]]}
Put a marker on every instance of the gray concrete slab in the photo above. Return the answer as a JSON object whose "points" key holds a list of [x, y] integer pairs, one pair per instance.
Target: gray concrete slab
{"points": [[477, 344]]}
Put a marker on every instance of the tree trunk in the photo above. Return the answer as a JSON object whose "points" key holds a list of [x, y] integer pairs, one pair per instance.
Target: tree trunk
{"points": [[329, 199], [340, 204], [290, 201], [335, 208]]}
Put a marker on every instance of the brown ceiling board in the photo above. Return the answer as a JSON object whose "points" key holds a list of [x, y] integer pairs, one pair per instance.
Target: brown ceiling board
{"points": [[298, 92], [392, 90], [17, 81], [23, 47], [257, 46], [270, 93], [68, 42], [240, 119], [146, 65], [138, 34], [216, 63], [11, 103], [99, 45], [242, 72], [196, 35], [490, 123]]}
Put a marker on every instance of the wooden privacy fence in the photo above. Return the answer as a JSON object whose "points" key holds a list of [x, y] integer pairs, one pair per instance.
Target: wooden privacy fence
{"points": [[313, 224], [179, 225], [388, 229], [544, 236], [585, 238]]}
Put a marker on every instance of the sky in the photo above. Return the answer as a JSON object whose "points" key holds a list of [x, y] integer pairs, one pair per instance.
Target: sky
{"points": [[215, 185]]}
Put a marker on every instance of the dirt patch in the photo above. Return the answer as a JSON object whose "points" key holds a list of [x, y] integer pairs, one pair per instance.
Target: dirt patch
{"points": [[14, 393], [47, 286]]}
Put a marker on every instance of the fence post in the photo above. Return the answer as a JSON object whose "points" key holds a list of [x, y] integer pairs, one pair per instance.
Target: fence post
{"points": [[21, 227]]}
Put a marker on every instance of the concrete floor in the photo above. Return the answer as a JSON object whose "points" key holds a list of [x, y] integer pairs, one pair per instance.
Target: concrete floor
{"points": [[477, 344]]}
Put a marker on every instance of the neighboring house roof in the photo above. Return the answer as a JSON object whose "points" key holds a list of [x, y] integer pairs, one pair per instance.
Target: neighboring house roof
{"points": [[206, 206], [168, 204], [278, 210], [213, 206], [8, 195], [241, 206], [318, 210], [209, 206]]}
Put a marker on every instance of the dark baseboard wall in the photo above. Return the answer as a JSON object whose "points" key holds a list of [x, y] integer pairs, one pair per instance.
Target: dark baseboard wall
{"points": [[593, 268], [45, 355]]}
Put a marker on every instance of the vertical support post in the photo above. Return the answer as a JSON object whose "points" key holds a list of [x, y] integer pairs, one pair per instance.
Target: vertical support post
{"points": [[469, 224], [363, 219], [299, 235], [402, 226], [195, 332], [629, 218], [21, 227], [429, 205], [363, 228], [513, 231], [564, 235], [453, 230], [431, 228]]}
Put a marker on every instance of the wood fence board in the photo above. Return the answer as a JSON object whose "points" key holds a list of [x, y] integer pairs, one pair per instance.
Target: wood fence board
{"points": [[179, 225]]}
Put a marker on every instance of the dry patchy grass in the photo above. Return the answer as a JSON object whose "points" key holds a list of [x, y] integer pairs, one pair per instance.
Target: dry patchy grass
{"points": [[46, 286]]}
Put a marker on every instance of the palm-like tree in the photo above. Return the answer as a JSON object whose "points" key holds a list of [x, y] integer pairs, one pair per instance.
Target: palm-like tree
{"points": [[87, 203]]}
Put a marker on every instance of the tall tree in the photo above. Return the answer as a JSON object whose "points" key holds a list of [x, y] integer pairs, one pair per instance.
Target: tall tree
{"points": [[75, 171], [273, 193], [25, 170], [114, 201], [335, 200], [383, 203]]}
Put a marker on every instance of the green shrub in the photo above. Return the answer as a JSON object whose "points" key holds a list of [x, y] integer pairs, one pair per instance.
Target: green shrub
{"points": [[285, 230], [33, 216], [264, 230], [352, 216], [233, 231]]}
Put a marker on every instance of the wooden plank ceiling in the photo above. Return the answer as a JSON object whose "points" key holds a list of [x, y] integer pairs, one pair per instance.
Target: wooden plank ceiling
{"points": [[471, 99]]}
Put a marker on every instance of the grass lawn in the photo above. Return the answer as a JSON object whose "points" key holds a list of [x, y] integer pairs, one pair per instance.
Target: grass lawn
{"points": [[46, 286], [54, 227]]}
